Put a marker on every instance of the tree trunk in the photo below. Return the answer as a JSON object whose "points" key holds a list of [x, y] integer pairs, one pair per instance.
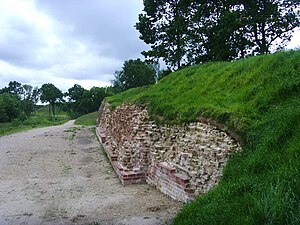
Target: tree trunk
{"points": [[264, 48], [53, 109], [178, 52]]}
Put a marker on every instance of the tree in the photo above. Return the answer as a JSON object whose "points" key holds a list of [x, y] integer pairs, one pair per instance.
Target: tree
{"points": [[4, 90], [185, 32], [217, 33], [9, 107], [25, 94], [16, 88], [30, 99], [134, 73], [91, 99], [164, 26], [36, 92], [82, 101], [27, 91], [246, 27], [269, 21], [75, 93], [51, 94]]}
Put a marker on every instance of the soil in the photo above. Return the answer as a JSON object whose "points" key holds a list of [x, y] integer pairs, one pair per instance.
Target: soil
{"points": [[59, 175]]}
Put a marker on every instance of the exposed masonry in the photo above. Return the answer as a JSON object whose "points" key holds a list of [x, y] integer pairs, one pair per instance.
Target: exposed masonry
{"points": [[181, 161]]}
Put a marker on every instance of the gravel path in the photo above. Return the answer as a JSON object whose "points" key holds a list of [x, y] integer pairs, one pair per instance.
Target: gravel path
{"points": [[59, 175]]}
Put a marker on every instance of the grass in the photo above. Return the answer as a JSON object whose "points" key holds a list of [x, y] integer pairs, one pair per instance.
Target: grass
{"points": [[259, 99], [88, 119], [38, 120]]}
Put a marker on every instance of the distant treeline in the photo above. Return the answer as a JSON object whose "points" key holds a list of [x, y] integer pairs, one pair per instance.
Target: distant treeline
{"points": [[19, 101]]}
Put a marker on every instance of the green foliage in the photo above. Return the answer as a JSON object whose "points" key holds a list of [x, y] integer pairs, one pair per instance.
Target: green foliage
{"points": [[82, 101], [91, 100], [15, 88], [259, 99], [134, 73], [164, 25], [18, 101], [127, 96], [88, 119], [75, 93], [185, 32], [9, 107], [39, 119], [51, 94], [42, 110]]}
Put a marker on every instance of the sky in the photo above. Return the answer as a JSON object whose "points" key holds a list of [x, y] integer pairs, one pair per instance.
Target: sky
{"points": [[67, 42]]}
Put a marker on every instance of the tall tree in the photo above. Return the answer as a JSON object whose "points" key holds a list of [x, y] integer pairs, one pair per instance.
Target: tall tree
{"points": [[237, 28], [51, 94], [163, 25], [35, 96], [75, 93], [217, 34], [16, 88], [270, 23], [9, 107], [27, 98], [91, 99], [134, 73], [194, 31], [27, 91]]}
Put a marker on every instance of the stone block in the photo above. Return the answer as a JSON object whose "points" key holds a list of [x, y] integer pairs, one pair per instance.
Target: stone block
{"points": [[193, 154]]}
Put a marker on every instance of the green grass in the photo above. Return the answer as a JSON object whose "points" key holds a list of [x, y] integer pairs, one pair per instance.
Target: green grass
{"points": [[128, 96], [88, 119], [44, 111], [259, 99], [39, 119]]}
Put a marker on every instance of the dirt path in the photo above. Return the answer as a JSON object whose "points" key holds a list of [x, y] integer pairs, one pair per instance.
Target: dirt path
{"points": [[59, 175]]}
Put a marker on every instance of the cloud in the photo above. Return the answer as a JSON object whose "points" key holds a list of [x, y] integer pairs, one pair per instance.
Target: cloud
{"points": [[66, 41], [295, 43], [106, 26]]}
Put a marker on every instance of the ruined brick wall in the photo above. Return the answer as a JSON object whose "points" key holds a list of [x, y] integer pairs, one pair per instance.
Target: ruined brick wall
{"points": [[180, 160]]}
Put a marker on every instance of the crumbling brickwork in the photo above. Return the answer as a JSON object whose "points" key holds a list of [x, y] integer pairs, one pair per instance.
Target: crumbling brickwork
{"points": [[180, 160]]}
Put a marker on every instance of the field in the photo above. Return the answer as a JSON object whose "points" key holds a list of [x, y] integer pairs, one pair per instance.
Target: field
{"points": [[40, 118]]}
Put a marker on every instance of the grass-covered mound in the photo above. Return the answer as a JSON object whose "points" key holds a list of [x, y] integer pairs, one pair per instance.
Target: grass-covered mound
{"points": [[258, 98], [87, 119]]}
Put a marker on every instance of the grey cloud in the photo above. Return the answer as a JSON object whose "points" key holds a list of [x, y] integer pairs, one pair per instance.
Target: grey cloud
{"points": [[19, 43], [108, 25], [89, 40]]}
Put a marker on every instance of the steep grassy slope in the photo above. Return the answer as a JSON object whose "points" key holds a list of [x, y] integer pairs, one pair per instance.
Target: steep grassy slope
{"points": [[258, 98]]}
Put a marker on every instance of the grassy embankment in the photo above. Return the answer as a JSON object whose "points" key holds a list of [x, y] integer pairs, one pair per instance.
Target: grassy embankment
{"points": [[259, 99], [39, 119], [88, 119]]}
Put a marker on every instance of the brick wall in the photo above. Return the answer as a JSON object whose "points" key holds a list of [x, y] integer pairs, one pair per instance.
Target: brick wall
{"points": [[181, 161]]}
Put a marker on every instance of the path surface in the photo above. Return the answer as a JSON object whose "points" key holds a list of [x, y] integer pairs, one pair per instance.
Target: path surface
{"points": [[59, 175]]}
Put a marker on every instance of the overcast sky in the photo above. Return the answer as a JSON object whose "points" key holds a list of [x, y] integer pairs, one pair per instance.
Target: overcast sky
{"points": [[65, 42]]}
